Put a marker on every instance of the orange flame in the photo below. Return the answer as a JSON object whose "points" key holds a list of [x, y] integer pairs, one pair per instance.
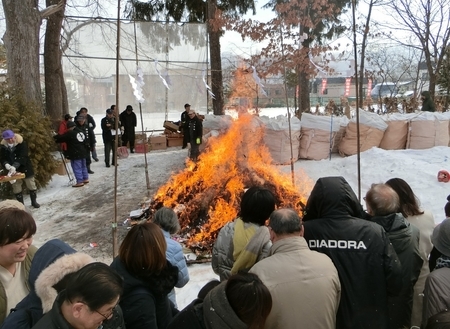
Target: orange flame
{"points": [[211, 189]]}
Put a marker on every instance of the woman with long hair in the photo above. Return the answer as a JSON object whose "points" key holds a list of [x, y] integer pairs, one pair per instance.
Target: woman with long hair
{"points": [[148, 278], [424, 221]]}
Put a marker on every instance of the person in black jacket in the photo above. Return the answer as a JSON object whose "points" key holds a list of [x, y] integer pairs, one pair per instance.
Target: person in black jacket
{"points": [[91, 124], [14, 157], [383, 207], [108, 125], [128, 121], [184, 124], [77, 151], [82, 123], [195, 130], [368, 267], [148, 278]]}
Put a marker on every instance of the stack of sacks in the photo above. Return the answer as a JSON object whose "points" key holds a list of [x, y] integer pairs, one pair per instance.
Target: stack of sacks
{"points": [[276, 138], [317, 136], [371, 131], [428, 129], [396, 134], [343, 123]]}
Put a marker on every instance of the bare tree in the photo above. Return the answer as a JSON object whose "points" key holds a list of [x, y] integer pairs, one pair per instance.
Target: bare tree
{"points": [[429, 22]]}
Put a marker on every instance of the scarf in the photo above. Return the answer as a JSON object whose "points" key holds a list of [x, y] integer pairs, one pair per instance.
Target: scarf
{"points": [[443, 261], [248, 244]]}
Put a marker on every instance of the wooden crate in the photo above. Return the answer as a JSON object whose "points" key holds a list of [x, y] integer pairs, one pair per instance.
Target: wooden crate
{"points": [[174, 142], [170, 126]]}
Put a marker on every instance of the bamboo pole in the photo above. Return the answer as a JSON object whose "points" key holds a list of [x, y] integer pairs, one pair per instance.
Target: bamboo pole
{"points": [[358, 138], [287, 108], [147, 179], [116, 142]]}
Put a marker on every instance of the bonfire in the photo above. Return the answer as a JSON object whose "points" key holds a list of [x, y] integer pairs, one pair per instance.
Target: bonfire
{"points": [[208, 193]]}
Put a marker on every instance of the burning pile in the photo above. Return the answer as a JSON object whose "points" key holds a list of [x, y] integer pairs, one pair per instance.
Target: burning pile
{"points": [[209, 192]]}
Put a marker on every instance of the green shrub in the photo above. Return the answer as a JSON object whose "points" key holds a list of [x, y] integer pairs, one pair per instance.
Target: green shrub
{"points": [[26, 119]]}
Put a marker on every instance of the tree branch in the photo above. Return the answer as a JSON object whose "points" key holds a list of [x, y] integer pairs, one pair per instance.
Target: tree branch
{"points": [[50, 10]]}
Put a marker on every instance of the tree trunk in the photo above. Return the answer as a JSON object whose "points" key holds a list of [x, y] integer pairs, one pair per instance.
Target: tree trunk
{"points": [[304, 104], [216, 60], [22, 47], [55, 89]]}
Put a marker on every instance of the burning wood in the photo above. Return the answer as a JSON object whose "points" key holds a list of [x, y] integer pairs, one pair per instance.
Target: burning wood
{"points": [[209, 192]]}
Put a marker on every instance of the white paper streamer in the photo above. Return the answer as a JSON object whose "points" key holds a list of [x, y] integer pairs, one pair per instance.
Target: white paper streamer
{"points": [[208, 88], [159, 74], [137, 85], [258, 81]]}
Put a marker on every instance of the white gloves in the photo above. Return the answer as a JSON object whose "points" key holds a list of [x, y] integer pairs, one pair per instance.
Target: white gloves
{"points": [[8, 166], [91, 125], [12, 170]]}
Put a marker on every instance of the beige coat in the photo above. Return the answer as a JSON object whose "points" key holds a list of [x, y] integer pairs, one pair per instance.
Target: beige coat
{"points": [[304, 285], [425, 224]]}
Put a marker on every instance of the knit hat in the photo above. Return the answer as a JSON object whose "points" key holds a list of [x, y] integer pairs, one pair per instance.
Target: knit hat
{"points": [[441, 237], [7, 134], [6, 204]]}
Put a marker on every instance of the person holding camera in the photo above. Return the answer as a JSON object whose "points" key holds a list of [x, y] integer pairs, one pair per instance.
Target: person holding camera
{"points": [[108, 125]]}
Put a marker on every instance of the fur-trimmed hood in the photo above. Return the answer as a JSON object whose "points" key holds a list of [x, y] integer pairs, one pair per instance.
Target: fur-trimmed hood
{"points": [[19, 139], [54, 273]]}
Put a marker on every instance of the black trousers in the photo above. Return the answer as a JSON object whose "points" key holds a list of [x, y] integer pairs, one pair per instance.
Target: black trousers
{"points": [[128, 137], [110, 147]]}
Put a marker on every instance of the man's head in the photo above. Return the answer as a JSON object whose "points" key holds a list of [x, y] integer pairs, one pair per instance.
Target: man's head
{"points": [[71, 125], [191, 114], [109, 113], [256, 205], [129, 109], [83, 110], [17, 228], [285, 223], [167, 219], [81, 119], [441, 237], [382, 200], [187, 107], [9, 136], [67, 117], [91, 295]]}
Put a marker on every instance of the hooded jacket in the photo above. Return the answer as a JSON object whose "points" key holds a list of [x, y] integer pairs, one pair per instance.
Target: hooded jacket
{"points": [[51, 263], [144, 303], [368, 267], [405, 240], [427, 103], [17, 156], [26, 266]]}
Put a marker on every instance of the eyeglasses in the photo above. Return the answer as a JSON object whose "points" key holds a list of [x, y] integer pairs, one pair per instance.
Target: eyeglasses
{"points": [[109, 314], [105, 316]]}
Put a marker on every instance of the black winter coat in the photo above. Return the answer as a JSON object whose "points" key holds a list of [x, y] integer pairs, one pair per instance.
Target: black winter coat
{"points": [[368, 267], [106, 131], [145, 304], [17, 156], [191, 317], [77, 143], [128, 122], [195, 129], [89, 132], [405, 238]]}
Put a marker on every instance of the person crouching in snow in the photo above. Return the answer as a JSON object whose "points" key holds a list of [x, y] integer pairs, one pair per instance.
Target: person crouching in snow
{"points": [[76, 151], [14, 157]]}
